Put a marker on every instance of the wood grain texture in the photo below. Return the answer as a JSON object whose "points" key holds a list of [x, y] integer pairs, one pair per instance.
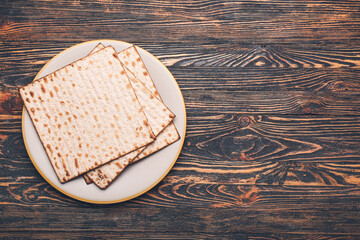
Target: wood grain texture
{"points": [[262, 56], [273, 137], [200, 21]]}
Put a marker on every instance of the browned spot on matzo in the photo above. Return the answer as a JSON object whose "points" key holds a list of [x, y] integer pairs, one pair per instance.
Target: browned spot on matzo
{"points": [[43, 88], [76, 163], [50, 149]]}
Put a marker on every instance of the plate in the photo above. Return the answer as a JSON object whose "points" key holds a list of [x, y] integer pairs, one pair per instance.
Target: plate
{"points": [[135, 179]]}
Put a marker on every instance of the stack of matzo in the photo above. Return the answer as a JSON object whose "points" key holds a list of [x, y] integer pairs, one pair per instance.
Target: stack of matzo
{"points": [[98, 114]]}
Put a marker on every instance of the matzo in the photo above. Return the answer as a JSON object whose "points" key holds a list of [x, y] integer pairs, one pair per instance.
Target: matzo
{"points": [[86, 114], [158, 116], [132, 60]]}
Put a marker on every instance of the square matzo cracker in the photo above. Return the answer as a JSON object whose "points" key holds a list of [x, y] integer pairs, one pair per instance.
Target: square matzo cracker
{"points": [[86, 114]]}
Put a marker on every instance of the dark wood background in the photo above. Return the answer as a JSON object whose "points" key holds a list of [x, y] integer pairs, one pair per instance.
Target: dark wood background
{"points": [[272, 148]]}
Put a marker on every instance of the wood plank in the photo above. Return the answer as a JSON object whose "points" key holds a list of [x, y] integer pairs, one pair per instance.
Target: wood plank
{"points": [[269, 102], [259, 56], [207, 55], [125, 234], [171, 235], [255, 79], [186, 21], [203, 208]]}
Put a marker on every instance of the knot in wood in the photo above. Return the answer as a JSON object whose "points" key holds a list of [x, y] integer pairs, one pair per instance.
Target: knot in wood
{"points": [[9, 103], [243, 121]]}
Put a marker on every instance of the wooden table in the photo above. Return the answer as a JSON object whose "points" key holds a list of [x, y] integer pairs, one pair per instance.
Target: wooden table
{"points": [[272, 92]]}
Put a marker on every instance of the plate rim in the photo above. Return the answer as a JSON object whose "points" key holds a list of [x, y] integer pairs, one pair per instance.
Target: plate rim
{"points": [[122, 199]]}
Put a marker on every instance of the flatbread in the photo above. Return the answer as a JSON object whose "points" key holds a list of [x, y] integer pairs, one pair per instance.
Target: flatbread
{"points": [[158, 115], [132, 60], [86, 114]]}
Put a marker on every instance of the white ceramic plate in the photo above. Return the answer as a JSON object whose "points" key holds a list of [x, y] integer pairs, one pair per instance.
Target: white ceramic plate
{"points": [[137, 178]]}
